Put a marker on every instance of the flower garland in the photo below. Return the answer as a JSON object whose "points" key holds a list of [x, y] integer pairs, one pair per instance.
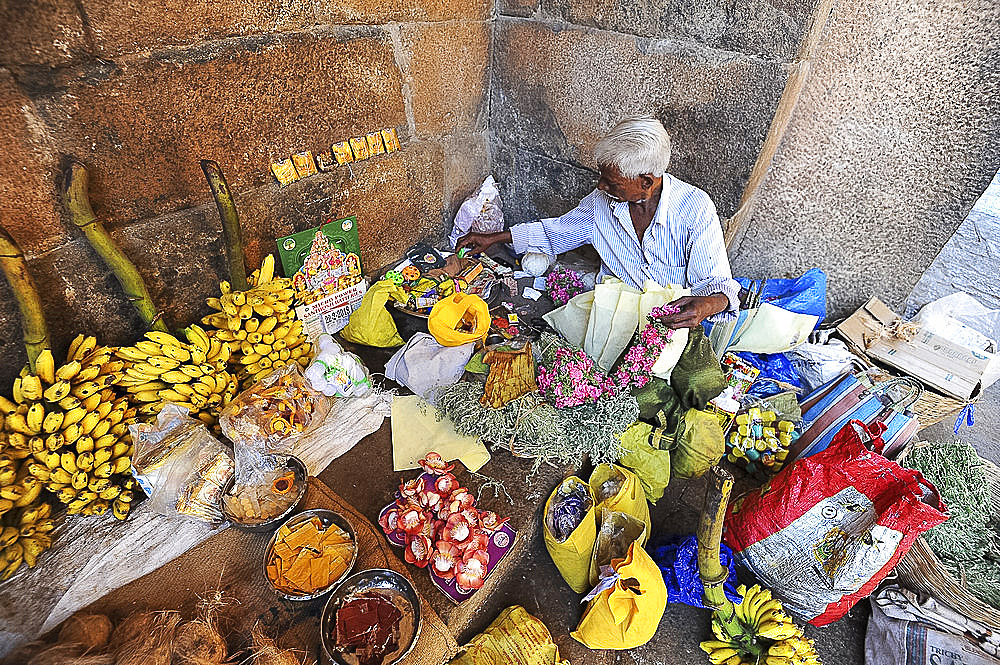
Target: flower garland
{"points": [[563, 285], [636, 367], [571, 378]]}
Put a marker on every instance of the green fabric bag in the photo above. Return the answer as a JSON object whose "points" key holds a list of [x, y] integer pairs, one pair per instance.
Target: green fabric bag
{"points": [[646, 459], [655, 396], [698, 376], [699, 444]]}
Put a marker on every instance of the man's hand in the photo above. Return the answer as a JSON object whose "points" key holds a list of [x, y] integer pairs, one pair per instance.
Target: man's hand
{"points": [[480, 242], [694, 310]]}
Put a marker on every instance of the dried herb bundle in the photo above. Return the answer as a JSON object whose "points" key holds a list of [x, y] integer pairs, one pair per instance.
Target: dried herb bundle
{"points": [[530, 427], [968, 542]]}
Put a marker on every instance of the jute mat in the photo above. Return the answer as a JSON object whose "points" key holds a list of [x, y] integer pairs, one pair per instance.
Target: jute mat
{"points": [[230, 564]]}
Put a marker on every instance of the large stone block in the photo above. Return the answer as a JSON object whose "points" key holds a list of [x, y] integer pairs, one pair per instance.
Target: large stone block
{"points": [[130, 27], [448, 63], [335, 12], [896, 134], [142, 129], [556, 92], [29, 202], [533, 186], [767, 28], [41, 32], [523, 8], [397, 198], [466, 165]]}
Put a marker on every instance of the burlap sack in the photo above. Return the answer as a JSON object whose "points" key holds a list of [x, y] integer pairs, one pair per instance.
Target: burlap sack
{"points": [[231, 562]]}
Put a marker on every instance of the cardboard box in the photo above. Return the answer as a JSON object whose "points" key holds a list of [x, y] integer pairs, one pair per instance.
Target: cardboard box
{"points": [[942, 365]]}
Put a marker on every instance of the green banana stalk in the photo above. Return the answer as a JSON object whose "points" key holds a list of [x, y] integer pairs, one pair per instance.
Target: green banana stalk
{"points": [[15, 268], [77, 202], [231, 230]]}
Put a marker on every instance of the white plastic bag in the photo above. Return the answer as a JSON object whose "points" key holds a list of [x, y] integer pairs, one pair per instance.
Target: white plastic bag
{"points": [[480, 213], [337, 373], [818, 364], [424, 366], [962, 319]]}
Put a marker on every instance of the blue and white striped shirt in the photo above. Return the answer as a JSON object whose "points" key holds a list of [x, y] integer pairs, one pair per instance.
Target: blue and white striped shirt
{"points": [[683, 245]]}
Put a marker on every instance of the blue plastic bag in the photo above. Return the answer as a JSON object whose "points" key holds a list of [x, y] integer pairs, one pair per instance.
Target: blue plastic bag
{"points": [[775, 366], [677, 558], [803, 295]]}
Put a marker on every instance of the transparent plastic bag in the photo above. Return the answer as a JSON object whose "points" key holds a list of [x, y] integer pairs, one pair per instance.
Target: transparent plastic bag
{"points": [[264, 485], [274, 412], [617, 533], [337, 373], [181, 467], [482, 212]]}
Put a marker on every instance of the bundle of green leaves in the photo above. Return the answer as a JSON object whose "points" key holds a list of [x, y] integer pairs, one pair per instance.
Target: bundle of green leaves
{"points": [[968, 542]]}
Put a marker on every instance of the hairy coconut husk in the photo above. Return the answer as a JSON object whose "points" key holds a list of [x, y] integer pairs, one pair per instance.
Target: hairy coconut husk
{"points": [[24, 653], [92, 631], [199, 643], [147, 640], [69, 654], [266, 652]]}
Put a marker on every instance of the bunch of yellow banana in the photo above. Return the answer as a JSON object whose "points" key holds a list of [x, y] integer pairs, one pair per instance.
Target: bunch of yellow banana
{"points": [[770, 637], [24, 534], [260, 323], [161, 369], [70, 431]]}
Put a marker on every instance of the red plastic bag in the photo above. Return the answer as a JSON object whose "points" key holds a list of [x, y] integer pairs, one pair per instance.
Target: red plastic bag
{"points": [[828, 528]]}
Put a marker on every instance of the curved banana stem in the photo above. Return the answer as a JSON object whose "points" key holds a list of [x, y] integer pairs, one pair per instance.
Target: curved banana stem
{"points": [[713, 574], [77, 202], [15, 269], [231, 231]]}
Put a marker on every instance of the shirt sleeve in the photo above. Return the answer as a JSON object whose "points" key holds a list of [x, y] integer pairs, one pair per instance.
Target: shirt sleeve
{"points": [[555, 235], [708, 269]]}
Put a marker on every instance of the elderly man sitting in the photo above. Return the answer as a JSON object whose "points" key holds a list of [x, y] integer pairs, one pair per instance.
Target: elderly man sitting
{"points": [[644, 223]]}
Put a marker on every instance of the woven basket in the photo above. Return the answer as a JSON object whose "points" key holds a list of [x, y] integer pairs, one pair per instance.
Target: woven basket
{"points": [[922, 571]]}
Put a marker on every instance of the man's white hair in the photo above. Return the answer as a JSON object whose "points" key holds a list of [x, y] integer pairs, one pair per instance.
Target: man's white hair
{"points": [[635, 146]]}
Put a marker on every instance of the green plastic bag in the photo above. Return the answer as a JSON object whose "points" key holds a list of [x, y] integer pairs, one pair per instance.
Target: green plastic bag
{"points": [[371, 324], [699, 444], [645, 458]]}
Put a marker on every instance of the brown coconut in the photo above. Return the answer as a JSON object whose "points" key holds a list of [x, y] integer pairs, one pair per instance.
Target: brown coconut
{"points": [[146, 639], [266, 651], [69, 654], [91, 631], [199, 643]]}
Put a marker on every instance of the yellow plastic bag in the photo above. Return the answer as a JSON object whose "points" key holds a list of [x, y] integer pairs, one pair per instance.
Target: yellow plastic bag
{"points": [[448, 315], [514, 638], [371, 323], [627, 613], [645, 459], [630, 499], [572, 555]]}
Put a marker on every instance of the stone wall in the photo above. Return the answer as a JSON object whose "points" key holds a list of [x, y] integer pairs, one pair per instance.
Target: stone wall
{"points": [[565, 71], [895, 136], [140, 92]]}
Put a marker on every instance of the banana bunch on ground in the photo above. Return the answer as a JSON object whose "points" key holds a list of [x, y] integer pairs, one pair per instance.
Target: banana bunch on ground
{"points": [[770, 638], [193, 374], [260, 323], [69, 429], [24, 534]]}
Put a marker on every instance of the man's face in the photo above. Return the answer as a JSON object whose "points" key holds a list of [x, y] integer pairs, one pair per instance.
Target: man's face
{"points": [[620, 188]]}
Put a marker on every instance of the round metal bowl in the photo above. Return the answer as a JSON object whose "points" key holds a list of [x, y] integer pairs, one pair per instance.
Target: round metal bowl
{"points": [[327, 517], [402, 594], [300, 487]]}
